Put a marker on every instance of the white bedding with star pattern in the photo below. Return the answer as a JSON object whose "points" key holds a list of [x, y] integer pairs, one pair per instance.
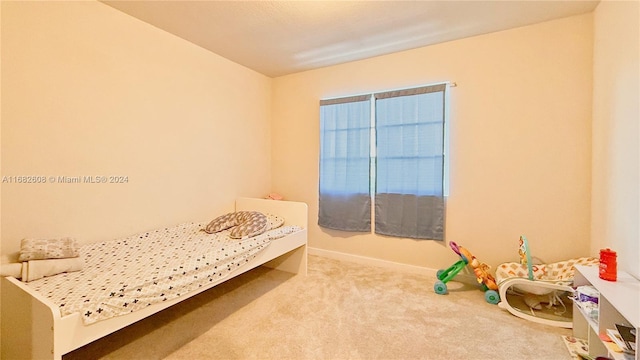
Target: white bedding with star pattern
{"points": [[125, 275]]}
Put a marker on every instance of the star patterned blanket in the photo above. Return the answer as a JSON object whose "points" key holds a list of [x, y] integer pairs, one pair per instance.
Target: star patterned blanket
{"points": [[125, 275]]}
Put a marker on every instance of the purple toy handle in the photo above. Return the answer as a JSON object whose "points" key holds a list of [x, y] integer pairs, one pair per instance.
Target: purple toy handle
{"points": [[454, 247]]}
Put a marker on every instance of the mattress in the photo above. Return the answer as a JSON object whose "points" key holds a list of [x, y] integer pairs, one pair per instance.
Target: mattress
{"points": [[125, 275]]}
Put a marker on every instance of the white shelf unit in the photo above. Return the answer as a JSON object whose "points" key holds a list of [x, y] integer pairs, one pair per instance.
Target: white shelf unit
{"points": [[619, 303]]}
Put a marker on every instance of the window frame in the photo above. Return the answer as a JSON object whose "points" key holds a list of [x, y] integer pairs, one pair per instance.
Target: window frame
{"points": [[373, 97]]}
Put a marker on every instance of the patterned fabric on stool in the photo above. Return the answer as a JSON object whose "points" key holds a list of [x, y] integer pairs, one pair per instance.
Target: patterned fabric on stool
{"points": [[559, 271]]}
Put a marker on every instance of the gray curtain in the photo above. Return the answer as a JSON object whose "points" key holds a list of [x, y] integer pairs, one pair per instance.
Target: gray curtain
{"points": [[350, 212], [409, 197], [345, 148], [410, 216]]}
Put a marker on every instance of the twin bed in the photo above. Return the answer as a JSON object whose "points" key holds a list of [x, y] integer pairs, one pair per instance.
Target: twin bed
{"points": [[127, 280]]}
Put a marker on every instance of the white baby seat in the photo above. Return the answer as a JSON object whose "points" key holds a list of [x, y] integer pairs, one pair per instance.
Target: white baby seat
{"points": [[539, 293]]}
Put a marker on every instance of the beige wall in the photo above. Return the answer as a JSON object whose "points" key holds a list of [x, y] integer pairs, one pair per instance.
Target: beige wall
{"points": [[616, 132], [0, 133], [88, 90], [520, 141]]}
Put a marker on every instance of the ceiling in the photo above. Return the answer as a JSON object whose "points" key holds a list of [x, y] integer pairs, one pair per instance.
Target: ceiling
{"points": [[282, 37]]}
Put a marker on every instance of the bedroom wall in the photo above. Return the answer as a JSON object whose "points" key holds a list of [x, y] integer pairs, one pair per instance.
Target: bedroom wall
{"points": [[520, 142], [616, 132], [90, 91]]}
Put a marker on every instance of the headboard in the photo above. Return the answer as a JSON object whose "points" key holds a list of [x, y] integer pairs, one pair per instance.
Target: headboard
{"points": [[294, 213]]}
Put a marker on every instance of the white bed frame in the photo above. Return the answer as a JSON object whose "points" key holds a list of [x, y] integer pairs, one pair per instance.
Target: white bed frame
{"points": [[32, 327]]}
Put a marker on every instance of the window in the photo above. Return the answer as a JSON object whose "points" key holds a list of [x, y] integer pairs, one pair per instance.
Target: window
{"points": [[402, 170]]}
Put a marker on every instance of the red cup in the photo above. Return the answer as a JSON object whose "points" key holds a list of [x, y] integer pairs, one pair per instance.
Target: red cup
{"points": [[608, 265]]}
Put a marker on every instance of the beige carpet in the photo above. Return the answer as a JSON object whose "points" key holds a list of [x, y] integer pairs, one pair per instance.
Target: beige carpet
{"points": [[341, 310]]}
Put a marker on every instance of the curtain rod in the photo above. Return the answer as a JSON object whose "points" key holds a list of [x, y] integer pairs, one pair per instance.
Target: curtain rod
{"points": [[448, 83]]}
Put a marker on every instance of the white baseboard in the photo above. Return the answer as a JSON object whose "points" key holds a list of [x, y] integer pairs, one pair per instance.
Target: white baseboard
{"points": [[371, 261]]}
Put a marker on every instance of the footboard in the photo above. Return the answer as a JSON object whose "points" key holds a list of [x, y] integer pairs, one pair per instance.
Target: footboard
{"points": [[294, 213], [28, 324]]}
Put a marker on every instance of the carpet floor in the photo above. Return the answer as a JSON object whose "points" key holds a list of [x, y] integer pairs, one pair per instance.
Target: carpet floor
{"points": [[340, 310]]}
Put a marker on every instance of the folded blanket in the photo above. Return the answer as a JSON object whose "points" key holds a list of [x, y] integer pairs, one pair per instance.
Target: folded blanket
{"points": [[41, 249], [37, 269]]}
